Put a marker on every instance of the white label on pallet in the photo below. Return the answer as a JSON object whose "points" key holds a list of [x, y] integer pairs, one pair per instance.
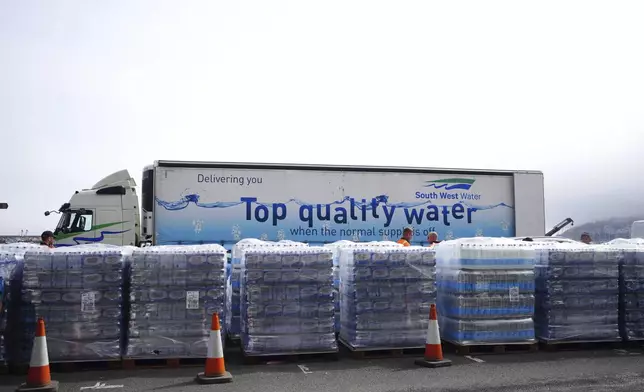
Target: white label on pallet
{"points": [[192, 300], [88, 302], [514, 294]]}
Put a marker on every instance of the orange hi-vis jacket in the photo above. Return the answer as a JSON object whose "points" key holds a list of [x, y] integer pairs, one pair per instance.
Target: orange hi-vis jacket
{"points": [[403, 242]]}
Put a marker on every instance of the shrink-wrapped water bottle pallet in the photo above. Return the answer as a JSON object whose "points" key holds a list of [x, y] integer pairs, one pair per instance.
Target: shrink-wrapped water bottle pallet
{"points": [[379, 352], [568, 345], [255, 359], [490, 348]]}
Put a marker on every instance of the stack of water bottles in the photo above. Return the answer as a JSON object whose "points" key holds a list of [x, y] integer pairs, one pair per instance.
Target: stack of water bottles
{"points": [[631, 282], [7, 266], [233, 309], [486, 291], [173, 293], [335, 248], [3, 321], [385, 295], [79, 292], [11, 267], [577, 293], [287, 300]]}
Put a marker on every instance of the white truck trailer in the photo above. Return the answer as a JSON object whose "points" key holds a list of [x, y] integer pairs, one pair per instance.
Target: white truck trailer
{"points": [[213, 202]]}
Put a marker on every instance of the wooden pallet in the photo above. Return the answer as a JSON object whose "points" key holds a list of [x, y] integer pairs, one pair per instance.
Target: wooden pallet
{"points": [[580, 345], [634, 344], [492, 348], [66, 366], [380, 352], [233, 341], [152, 363], [77, 366], [251, 359]]}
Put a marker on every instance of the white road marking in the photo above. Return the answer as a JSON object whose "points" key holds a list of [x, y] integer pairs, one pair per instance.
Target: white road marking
{"points": [[479, 360], [625, 352], [304, 369], [101, 385]]}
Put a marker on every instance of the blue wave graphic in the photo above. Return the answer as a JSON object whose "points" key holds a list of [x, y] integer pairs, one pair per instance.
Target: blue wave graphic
{"points": [[91, 239], [485, 207], [193, 198], [449, 187], [100, 238]]}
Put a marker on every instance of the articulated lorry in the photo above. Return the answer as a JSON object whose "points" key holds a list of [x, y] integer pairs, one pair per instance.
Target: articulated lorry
{"points": [[211, 202]]}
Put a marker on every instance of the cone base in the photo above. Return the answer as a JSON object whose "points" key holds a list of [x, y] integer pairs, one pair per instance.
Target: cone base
{"points": [[221, 379], [51, 387], [433, 364]]}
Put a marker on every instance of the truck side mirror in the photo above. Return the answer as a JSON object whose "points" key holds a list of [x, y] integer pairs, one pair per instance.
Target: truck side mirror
{"points": [[4, 206], [46, 213]]}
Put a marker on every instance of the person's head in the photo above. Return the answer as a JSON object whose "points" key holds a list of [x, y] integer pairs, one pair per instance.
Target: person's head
{"points": [[432, 237], [407, 233], [585, 238], [47, 238]]}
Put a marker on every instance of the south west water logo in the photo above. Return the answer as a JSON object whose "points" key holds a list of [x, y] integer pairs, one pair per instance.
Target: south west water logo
{"points": [[449, 184]]}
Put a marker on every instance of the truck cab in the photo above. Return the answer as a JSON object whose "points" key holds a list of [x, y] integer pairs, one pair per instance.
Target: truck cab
{"points": [[107, 213]]}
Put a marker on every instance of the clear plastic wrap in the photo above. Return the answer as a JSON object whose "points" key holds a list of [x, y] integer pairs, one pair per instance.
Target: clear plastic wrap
{"points": [[287, 300], [3, 317], [79, 293], [486, 306], [233, 309], [486, 253], [486, 282], [385, 295], [486, 291], [486, 331], [631, 279], [174, 291], [11, 269], [577, 292], [335, 248]]}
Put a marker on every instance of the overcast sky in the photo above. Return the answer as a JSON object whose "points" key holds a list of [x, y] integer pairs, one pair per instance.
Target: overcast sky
{"points": [[91, 87]]}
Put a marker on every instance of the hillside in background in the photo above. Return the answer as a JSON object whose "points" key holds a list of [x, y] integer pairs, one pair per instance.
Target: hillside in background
{"points": [[10, 239], [603, 230]]}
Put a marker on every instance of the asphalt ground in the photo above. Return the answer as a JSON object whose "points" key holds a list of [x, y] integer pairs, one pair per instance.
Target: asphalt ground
{"points": [[570, 371]]}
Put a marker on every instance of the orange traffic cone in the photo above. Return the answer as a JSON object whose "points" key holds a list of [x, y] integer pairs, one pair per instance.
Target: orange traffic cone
{"points": [[433, 349], [38, 376], [215, 372]]}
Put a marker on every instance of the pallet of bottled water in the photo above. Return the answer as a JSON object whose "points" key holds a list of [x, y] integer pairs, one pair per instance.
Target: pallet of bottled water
{"points": [[631, 282], [3, 318], [335, 248], [11, 269], [78, 291], [174, 291], [577, 293], [385, 296], [233, 284], [287, 301], [486, 291]]}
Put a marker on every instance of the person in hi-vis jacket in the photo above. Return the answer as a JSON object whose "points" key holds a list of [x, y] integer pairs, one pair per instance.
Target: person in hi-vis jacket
{"points": [[405, 240]]}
